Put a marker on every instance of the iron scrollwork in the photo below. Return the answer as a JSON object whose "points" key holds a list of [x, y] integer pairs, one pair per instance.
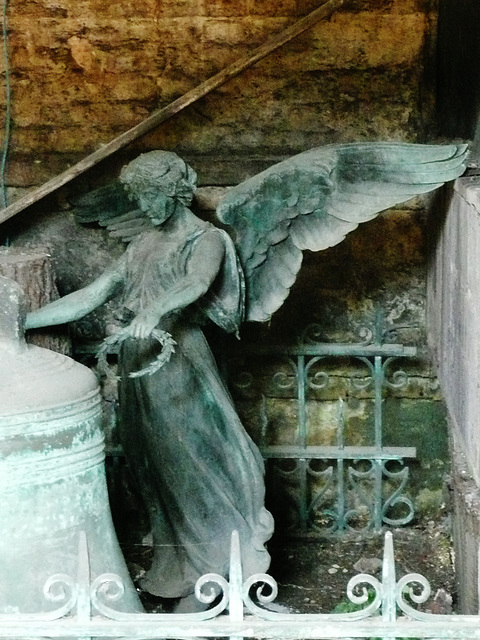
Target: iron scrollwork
{"points": [[356, 489]]}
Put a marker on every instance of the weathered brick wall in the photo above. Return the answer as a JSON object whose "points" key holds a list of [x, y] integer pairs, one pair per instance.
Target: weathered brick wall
{"points": [[84, 71]]}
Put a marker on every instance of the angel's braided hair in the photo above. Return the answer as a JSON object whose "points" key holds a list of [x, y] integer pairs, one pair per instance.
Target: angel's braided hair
{"points": [[164, 170]]}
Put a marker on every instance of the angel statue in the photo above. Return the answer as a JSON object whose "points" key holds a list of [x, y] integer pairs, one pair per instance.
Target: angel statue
{"points": [[199, 472]]}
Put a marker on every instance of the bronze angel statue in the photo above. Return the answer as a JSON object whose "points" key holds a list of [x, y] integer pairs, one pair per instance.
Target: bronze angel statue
{"points": [[199, 472]]}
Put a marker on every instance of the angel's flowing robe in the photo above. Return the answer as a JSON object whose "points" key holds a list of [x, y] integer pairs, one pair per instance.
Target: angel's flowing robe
{"points": [[200, 474]]}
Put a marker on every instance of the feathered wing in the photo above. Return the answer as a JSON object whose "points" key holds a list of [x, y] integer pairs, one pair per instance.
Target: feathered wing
{"points": [[312, 200], [111, 208]]}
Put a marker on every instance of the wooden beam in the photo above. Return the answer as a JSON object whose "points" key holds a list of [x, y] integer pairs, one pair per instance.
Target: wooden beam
{"points": [[159, 116]]}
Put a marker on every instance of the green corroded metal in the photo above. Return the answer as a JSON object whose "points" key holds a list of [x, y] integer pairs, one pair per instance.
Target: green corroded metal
{"points": [[239, 608], [52, 479], [331, 500]]}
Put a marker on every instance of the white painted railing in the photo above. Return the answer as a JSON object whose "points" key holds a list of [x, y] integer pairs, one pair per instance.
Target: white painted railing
{"points": [[386, 609]]}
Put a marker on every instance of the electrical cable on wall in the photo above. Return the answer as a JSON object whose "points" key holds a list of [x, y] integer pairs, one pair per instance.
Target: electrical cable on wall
{"points": [[6, 141]]}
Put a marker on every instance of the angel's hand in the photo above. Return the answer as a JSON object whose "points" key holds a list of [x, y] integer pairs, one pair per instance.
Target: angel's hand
{"points": [[143, 325]]}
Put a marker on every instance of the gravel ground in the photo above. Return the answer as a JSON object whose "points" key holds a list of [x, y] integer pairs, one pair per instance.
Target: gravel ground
{"points": [[312, 575]]}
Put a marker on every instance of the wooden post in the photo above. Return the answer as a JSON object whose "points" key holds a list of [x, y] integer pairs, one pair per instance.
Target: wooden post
{"points": [[159, 116], [32, 270]]}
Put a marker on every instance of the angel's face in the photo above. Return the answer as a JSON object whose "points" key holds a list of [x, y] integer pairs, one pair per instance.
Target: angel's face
{"points": [[153, 203]]}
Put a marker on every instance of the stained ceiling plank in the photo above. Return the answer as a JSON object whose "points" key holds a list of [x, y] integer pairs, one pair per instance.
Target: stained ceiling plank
{"points": [[160, 115]]}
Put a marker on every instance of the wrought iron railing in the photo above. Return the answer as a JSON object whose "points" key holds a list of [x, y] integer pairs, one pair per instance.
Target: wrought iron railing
{"points": [[357, 487], [79, 608]]}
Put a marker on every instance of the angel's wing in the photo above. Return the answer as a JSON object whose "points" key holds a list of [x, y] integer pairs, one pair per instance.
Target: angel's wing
{"points": [[111, 208], [312, 200]]}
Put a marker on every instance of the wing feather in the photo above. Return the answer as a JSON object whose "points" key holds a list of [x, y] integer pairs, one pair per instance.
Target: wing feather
{"points": [[274, 282], [312, 200], [111, 208], [102, 203], [319, 231]]}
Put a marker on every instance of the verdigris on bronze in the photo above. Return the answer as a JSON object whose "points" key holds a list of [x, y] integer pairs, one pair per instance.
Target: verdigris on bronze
{"points": [[200, 474], [52, 479]]}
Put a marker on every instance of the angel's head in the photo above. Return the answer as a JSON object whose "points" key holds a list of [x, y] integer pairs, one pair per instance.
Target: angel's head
{"points": [[158, 181]]}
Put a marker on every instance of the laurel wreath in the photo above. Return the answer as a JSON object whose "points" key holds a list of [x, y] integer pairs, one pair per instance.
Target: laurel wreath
{"points": [[113, 341]]}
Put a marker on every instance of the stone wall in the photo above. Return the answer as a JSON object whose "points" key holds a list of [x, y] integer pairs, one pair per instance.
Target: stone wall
{"points": [[84, 71], [454, 316], [454, 284]]}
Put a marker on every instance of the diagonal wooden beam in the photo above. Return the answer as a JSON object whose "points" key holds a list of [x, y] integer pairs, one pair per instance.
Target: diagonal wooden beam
{"points": [[159, 116]]}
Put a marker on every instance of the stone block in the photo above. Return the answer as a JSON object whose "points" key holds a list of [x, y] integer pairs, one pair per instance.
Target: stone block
{"points": [[391, 6], [454, 286], [225, 8], [396, 237], [279, 8], [82, 8], [453, 318], [361, 40], [244, 32], [180, 8]]}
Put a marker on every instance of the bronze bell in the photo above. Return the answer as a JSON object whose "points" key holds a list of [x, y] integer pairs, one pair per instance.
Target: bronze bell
{"points": [[52, 478]]}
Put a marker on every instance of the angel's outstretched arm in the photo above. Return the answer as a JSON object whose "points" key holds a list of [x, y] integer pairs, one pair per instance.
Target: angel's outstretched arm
{"points": [[77, 304], [203, 267]]}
